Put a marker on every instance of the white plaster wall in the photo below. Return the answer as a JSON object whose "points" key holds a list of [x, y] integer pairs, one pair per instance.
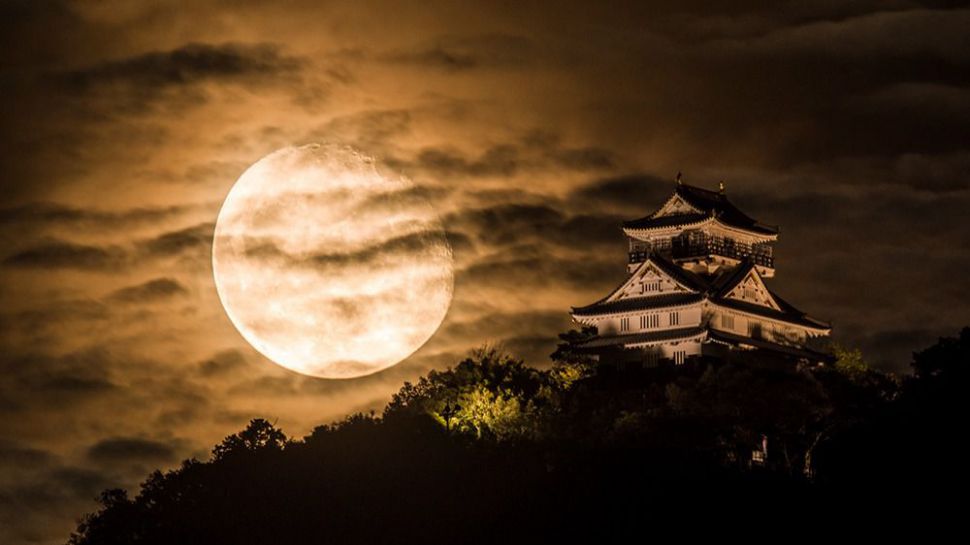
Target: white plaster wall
{"points": [[689, 317]]}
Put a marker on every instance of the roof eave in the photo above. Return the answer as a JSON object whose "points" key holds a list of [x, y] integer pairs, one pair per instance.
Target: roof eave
{"points": [[630, 231], [803, 322]]}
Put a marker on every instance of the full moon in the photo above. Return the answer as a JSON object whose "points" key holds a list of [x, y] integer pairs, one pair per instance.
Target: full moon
{"points": [[329, 265]]}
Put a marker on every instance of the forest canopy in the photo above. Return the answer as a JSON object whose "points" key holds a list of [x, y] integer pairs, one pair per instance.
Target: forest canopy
{"points": [[493, 450]]}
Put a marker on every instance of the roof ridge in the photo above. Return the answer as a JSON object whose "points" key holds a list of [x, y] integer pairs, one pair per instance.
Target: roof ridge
{"points": [[710, 204], [699, 188]]}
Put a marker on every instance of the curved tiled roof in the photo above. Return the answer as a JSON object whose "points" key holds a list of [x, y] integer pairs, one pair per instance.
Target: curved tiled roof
{"points": [[804, 352], [788, 313], [639, 303], [650, 222], [647, 337], [712, 204]]}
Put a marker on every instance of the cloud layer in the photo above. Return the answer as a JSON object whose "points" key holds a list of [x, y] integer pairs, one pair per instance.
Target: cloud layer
{"points": [[532, 130]]}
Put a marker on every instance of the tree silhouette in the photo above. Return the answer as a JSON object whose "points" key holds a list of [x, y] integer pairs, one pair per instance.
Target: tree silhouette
{"points": [[258, 435], [529, 455]]}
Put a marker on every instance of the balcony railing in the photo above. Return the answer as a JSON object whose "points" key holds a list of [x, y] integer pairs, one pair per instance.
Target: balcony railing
{"points": [[690, 247]]}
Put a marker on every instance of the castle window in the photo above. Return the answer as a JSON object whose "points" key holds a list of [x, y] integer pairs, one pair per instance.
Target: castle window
{"points": [[624, 324], [650, 286], [727, 322], [652, 320], [750, 293], [680, 356], [674, 318]]}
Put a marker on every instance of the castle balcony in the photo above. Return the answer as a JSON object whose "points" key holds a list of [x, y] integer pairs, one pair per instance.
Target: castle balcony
{"points": [[694, 246]]}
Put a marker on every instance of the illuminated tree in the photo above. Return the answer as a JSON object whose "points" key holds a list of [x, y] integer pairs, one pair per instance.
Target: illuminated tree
{"points": [[498, 396]]}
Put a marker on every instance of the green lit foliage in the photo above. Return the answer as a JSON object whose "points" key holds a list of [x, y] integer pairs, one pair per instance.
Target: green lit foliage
{"points": [[498, 396], [849, 361], [569, 364], [566, 375], [501, 415]]}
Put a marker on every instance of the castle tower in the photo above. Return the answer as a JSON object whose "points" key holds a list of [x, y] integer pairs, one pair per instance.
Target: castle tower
{"points": [[696, 287]]}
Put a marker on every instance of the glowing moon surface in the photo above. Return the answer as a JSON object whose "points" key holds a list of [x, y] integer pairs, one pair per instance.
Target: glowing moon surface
{"points": [[328, 265]]}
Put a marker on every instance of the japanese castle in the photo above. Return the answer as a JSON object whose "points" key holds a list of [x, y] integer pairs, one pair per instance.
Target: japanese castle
{"points": [[696, 289]]}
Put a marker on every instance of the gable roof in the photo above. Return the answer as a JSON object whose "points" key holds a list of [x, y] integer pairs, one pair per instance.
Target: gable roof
{"points": [[725, 284], [710, 204], [678, 275]]}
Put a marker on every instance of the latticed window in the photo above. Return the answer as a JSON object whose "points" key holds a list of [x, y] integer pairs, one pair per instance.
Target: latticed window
{"points": [[680, 356], [674, 318], [727, 322], [650, 286], [624, 324], [646, 322]]}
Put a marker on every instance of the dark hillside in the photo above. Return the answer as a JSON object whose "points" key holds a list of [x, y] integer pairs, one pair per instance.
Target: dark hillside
{"points": [[494, 451]]}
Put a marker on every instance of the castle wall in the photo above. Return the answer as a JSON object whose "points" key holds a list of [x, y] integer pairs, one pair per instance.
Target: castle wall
{"points": [[686, 317]]}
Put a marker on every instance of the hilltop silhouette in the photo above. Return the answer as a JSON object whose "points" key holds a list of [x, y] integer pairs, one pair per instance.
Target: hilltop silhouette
{"points": [[495, 451]]}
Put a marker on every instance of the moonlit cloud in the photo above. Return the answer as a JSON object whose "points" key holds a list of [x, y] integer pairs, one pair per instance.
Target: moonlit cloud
{"points": [[531, 130]]}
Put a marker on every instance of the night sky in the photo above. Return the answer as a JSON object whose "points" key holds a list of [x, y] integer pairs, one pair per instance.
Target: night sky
{"points": [[533, 128]]}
